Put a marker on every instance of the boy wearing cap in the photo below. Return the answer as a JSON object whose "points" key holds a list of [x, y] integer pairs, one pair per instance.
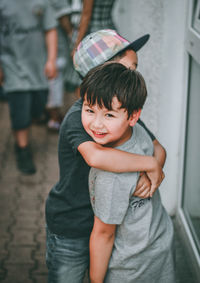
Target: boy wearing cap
{"points": [[69, 215], [132, 238]]}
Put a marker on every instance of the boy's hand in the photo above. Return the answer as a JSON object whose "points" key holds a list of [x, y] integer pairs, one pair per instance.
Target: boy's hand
{"points": [[50, 70], [156, 177], [143, 186]]}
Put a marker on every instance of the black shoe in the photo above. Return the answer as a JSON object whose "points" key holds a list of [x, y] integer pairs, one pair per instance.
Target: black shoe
{"points": [[24, 160]]}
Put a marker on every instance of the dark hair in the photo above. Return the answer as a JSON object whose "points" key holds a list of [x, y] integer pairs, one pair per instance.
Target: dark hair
{"points": [[109, 80]]}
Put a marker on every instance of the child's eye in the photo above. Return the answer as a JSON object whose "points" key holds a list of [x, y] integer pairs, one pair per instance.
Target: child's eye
{"points": [[110, 115], [89, 110]]}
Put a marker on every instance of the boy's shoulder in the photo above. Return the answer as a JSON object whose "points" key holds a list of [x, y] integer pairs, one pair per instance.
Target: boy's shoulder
{"points": [[71, 130], [139, 143], [143, 140], [73, 115], [77, 106]]}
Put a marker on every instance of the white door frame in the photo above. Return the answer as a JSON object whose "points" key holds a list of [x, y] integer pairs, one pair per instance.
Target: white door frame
{"points": [[192, 48]]}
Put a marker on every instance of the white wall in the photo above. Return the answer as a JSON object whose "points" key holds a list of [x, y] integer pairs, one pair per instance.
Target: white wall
{"points": [[161, 62]]}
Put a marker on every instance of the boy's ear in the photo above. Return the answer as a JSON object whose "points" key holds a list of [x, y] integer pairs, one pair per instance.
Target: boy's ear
{"points": [[134, 117]]}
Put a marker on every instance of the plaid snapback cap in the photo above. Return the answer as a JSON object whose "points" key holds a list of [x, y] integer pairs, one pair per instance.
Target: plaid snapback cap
{"points": [[100, 46]]}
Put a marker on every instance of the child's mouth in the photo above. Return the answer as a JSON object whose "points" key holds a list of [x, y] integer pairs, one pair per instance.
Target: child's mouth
{"points": [[99, 134]]}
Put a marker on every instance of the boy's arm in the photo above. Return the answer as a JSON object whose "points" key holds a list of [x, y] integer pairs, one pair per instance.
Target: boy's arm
{"points": [[114, 160], [66, 25], [107, 159], [143, 189], [101, 244], [159, 153], [84, 21], [110, 195], [62, 10], [51, 43]]}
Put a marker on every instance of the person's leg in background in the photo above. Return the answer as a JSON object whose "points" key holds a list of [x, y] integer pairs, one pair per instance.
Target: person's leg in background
{"points": [[55, 97], [67, 259], [20, 114], [38, 104], [2, 94]]}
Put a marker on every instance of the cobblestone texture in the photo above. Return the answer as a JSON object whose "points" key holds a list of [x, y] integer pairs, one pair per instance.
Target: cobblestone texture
{"points": [[22, 199]]}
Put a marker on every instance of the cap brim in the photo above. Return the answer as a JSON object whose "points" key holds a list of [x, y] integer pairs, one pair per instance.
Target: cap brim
{"points": [[137, 44]]}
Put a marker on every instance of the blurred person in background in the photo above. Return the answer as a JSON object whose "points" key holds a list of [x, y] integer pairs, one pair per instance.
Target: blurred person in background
{"points": [[79, 18], [28, 58], [56, 85], [68, 13], [96, 15]]}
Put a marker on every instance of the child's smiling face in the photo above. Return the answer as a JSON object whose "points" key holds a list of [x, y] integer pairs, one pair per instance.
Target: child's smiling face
{"points": [[107, 127]]}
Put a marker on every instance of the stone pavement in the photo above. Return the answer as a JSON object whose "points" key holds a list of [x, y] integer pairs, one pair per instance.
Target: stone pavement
{"points": [[22, 199]]}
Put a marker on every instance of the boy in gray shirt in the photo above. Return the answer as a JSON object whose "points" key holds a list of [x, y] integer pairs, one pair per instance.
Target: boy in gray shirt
{"points": [[132, 238]]}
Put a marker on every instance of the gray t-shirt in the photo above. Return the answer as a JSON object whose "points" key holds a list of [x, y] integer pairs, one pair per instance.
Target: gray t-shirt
{"points": [[22, 40], [142, 249]]}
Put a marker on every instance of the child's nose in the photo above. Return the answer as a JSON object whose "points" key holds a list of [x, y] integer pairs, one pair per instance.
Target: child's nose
{"points": [[97, 123]]}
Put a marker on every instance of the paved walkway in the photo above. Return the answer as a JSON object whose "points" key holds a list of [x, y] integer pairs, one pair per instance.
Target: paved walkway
{"points": [[22, 199]]}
